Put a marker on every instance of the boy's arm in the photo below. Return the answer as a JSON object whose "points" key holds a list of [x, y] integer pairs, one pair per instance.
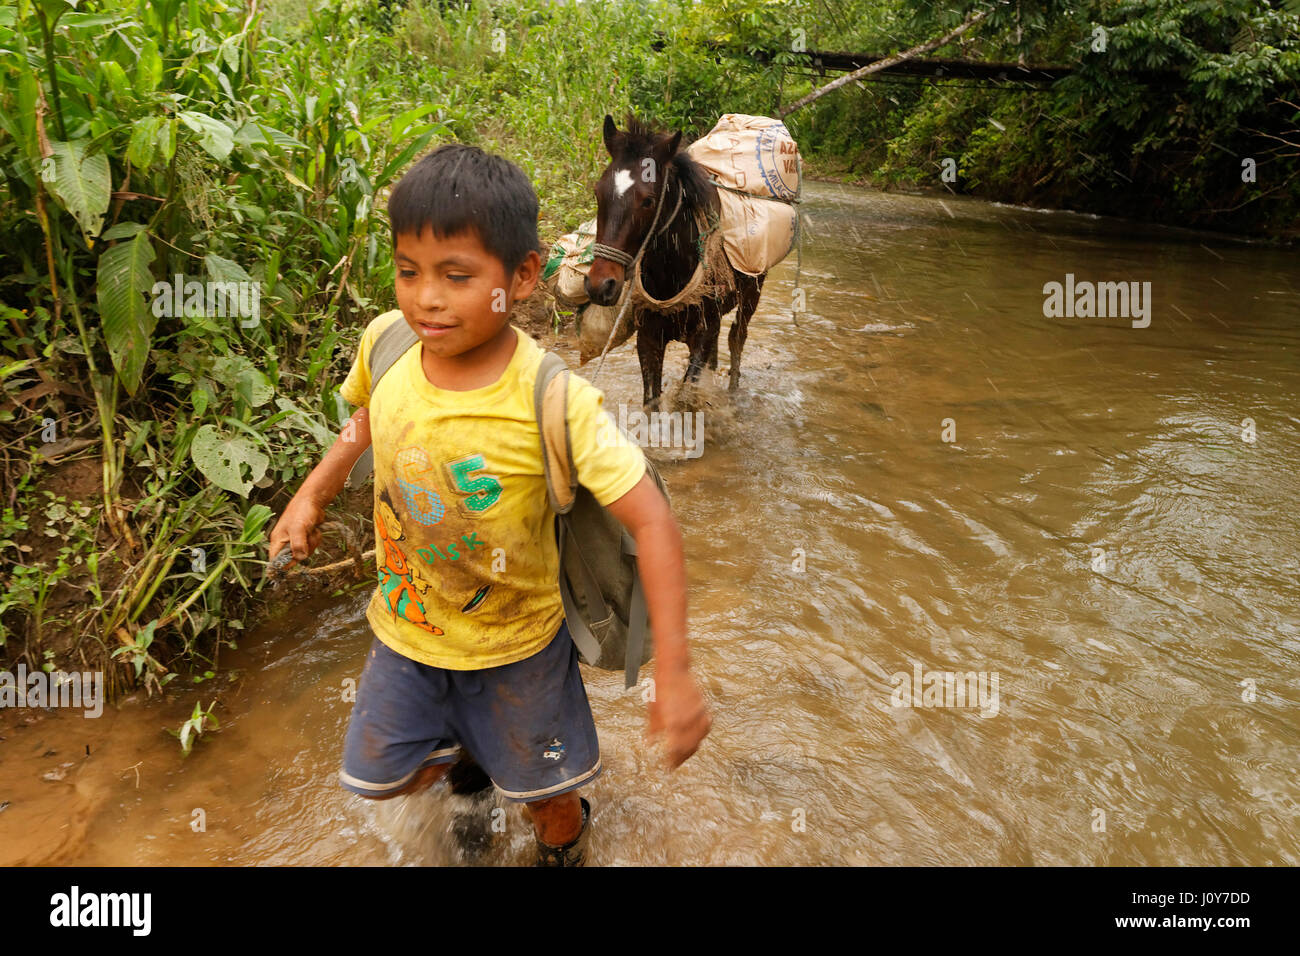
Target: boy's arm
{"points": [[297, 527], [677, 707]]}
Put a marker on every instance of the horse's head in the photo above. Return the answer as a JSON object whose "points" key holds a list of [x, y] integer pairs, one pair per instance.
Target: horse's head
{"points": [[627, 194]]}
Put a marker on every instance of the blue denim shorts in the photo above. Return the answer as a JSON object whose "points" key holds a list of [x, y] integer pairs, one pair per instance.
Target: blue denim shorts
{"points": [[527, 724]]}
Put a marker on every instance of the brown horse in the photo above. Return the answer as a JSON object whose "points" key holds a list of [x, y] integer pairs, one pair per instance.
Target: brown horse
{"points": [[649, 181]]}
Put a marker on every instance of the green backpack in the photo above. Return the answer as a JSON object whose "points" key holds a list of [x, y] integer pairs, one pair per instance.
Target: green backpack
{"points": [[604, 603]]}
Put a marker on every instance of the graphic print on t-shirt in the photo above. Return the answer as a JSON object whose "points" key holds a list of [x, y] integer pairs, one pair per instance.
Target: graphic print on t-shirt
{"points": [[414, 473], [396, 582], [416, 479]]}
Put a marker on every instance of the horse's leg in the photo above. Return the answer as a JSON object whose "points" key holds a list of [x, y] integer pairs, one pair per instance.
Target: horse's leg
{"points": [[714, 330], [749, 288], [720, 307], [650, 344], [697, 323]]}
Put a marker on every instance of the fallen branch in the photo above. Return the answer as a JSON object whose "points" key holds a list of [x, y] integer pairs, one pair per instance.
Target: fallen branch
{"points": [[884, 64], [327, 568]]}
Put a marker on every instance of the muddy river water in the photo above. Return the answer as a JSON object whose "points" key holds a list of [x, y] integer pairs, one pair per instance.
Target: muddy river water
{"points": [[1094, 520]]}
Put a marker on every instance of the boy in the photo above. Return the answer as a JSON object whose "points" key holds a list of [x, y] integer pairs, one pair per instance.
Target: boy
{"points": [[471, 652]]}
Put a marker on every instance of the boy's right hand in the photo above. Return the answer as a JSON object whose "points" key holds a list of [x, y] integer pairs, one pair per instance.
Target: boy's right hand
{"points": [[299, 528]]}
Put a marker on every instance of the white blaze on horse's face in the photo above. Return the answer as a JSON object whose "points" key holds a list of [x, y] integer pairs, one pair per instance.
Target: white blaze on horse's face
{"points": [[622, 183]]}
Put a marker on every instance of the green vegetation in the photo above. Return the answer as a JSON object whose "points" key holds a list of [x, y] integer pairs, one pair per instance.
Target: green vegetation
{"points": [[148, 437], [201, 721], [1168, 101]]}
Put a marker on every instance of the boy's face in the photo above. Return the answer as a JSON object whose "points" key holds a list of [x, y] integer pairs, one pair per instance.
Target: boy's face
{"points": [[454, 293]]}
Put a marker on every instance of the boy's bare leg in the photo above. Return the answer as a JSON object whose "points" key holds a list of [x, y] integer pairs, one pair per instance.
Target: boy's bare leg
{"points": [[557, 820]]}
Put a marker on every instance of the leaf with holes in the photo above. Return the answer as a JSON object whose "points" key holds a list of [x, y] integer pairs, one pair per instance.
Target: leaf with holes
{"points": [[222, 460]]}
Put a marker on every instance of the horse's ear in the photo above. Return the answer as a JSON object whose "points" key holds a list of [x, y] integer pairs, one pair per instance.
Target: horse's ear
{"points": [[611, 131], [665, 148]]}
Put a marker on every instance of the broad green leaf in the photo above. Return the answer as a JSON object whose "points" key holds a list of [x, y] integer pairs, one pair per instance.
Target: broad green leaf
{"points": [[402, 121], [81, 183], [123, 282], [149, 68], [257, 134], [222, 460], [54, 9], [214, 136], [223, 81], [76, 21], [116, 78], [144, 139], [249, 383], [225, 270], [242, 301], [167, 139], [123, 230], [78, 83], [254, 522], [229, 51], [25, 121], [297, 418]]}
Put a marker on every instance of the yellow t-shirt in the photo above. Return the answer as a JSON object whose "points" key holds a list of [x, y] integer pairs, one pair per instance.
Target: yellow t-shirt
{"points": [[464, 531]]}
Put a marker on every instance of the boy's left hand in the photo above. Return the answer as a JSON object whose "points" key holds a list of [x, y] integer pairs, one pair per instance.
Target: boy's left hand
{"points": [[679, 713]]}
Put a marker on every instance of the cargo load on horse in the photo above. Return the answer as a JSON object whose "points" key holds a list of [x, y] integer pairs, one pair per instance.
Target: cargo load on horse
{"points": [[754, 161]]}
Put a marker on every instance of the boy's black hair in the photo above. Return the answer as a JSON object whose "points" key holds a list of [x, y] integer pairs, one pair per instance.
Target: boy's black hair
{"points": [[457, 188]]}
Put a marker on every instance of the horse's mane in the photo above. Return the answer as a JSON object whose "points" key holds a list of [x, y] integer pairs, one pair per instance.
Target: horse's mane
{"points": [[639, 137]]}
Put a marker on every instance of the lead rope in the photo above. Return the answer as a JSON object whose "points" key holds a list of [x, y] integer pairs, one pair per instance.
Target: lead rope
{"points": [[630, 263], [798, 239]]}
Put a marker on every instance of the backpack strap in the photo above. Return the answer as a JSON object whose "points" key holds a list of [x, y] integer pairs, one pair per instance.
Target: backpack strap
{"points": [[551, 401], [388, 348]]}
